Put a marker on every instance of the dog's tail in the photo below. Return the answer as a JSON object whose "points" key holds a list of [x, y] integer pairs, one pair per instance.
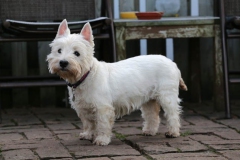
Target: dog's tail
{"points": [[182, 85]]}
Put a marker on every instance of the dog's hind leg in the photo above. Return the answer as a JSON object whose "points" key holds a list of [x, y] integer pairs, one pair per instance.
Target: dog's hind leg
{"points": [[105, 117], [87, 117], [169, 102], [150, 113]]}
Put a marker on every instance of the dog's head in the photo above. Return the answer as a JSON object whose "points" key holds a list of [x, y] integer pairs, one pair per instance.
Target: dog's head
{"points": [[71, 54]]}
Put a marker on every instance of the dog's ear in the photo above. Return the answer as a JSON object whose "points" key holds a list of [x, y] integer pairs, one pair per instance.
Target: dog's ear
{"points": [[63, 29], [86, 32]]}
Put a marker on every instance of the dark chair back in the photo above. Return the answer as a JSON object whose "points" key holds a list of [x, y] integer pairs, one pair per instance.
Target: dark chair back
{"points": [[231, 7], [38, 20], [230, 25], [47, 10]]}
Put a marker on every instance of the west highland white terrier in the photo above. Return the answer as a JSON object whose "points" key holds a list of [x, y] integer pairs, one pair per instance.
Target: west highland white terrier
{"points": [[101, 92]]}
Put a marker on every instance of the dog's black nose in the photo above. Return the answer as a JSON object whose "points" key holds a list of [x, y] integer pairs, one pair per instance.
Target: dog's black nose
{"points": [[63, 63]]}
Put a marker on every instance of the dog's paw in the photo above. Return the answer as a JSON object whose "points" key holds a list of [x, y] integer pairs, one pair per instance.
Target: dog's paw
{"points": [[149, 133], [102, 140], [171, 135], [85, 135]]}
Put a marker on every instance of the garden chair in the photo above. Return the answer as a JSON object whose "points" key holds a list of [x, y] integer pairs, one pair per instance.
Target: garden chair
{"points": [[38, 20], [230, 28]]}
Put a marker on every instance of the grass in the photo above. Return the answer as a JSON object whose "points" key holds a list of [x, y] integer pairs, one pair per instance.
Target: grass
{"points": [[148, 157], [184, 134], [178, 150], [120, 136], [139, 128]]}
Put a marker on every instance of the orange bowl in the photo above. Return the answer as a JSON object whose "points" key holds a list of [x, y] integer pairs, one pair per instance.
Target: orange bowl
{"points": [[149, 15], [128, 15]]}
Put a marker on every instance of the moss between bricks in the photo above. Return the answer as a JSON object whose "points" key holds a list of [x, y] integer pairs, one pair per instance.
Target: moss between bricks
{"points": [[139, 128], [179, 150], [148, 157], [212, 149], [12, 120], [120, 136], [184, 134]]}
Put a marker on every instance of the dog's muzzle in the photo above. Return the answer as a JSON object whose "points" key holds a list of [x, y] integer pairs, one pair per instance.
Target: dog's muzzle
{"points": [[63, 64]]}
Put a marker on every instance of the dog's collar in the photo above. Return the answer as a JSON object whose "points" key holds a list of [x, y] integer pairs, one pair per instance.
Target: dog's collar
{"points": [[75, 85]]}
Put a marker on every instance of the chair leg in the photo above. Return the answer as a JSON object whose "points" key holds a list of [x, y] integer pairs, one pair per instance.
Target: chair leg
{"points": [[227, 99], [226, 79], [0, 112], [227, 103], [112, 37], [107, 4]]}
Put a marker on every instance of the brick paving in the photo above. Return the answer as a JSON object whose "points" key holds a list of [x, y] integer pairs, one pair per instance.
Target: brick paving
{"points": [[52, 133]]}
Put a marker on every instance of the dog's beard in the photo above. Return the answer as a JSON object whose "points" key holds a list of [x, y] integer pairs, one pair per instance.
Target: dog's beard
{"points": [[71, 73]]}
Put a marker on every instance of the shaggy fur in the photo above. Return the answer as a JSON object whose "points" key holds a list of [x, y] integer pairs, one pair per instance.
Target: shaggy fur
{"points": [[112, 90]]}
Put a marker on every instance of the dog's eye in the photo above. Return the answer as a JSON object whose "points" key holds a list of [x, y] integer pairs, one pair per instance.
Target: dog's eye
{"points": [[76, 53], [59, 51]]}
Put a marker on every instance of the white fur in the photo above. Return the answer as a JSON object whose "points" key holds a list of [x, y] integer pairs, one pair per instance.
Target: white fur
{"points": [[114, 89]]}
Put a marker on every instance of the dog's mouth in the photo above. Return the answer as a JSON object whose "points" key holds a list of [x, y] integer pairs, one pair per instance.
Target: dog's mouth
{"points": [[64, 69]]}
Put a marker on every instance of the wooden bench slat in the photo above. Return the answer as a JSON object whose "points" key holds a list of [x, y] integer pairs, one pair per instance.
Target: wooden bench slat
{"points": [[31, 84], [234, 80]]}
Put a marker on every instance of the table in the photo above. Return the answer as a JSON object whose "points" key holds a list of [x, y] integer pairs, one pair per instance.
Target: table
{"points": [[179, 27]]}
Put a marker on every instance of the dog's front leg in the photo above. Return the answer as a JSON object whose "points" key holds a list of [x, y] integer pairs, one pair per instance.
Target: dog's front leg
{"points": [[87, 116], [105, 117]]}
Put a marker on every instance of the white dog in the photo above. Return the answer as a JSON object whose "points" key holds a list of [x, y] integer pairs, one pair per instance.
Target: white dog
{"points": [[101, 92]]}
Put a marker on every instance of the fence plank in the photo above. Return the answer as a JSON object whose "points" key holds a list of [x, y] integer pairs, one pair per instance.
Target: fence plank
{"points": [[47, 94], [19, 68], [5, 70], [33, 69]]}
